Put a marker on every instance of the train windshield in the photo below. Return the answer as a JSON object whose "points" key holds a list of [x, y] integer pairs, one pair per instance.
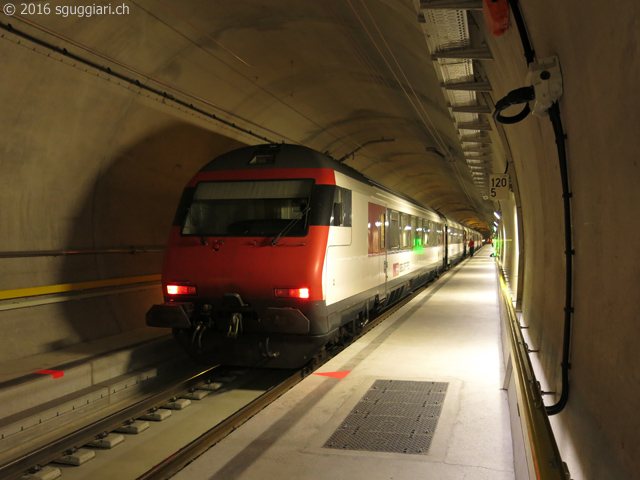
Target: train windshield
{"points": [[249, 208]]}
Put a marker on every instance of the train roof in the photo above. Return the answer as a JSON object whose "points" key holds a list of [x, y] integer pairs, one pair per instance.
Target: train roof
{"points": [[259, 157]]}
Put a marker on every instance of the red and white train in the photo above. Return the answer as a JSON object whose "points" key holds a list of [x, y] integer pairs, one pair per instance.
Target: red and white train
{"points": [[277, 250]]}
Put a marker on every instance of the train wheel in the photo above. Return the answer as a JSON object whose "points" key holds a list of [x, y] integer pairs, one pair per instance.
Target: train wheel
{"points": [[346, 337], [184, 337]]}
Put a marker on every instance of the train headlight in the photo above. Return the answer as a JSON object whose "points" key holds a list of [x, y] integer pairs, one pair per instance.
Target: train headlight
{"points": [[291, 292], [181, 290]]}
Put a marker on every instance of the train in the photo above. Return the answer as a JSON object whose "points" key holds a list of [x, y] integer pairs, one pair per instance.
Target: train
{"points": [[278, 251]]}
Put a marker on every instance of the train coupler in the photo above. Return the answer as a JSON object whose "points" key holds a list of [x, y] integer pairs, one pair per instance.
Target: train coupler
{"points": [[266, 353], [235, 326]]}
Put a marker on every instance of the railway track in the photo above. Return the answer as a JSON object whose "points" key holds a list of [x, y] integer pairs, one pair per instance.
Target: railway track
{"points": [[142, 440], [176, 462]]}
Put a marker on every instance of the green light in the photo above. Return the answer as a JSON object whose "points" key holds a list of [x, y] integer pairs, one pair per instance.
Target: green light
{"points": [[417, 246]]}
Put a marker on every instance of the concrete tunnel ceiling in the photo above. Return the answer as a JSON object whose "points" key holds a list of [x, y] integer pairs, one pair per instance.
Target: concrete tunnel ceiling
{"points": [[329, 75]]}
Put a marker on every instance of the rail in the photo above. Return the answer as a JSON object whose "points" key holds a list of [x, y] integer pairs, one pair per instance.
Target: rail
{"points": [[15, 469], [543, 457], [188, 453]]}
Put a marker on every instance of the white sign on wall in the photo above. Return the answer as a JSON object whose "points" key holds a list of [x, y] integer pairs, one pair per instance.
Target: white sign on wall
{"points": [[499, 187]]}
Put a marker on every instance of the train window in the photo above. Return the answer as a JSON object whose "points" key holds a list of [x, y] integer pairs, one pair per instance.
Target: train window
{"points": [[183, 206], [249, 208], [424, 235], [341, 214], [348, 214], [376, 228], [415, 234], [393, 234], [406, 231], [428, 227], [435, 235]]}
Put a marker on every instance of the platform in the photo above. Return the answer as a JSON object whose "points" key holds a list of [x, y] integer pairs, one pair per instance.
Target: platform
{"points": [[420, 396]]}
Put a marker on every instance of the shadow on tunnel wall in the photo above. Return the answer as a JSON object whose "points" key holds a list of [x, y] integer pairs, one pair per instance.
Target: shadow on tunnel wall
{"points": [[131, 203]]}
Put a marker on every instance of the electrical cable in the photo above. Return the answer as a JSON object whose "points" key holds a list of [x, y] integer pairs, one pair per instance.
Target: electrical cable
{"points": [[529, 52], [247, 78], [431, 128], [554, 116], [393, 98], [166, 95], [515, 97], [126, 78]]}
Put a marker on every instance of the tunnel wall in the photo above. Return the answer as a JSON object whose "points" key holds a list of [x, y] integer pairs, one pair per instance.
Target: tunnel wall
{"points": [[507, 244], [599, 430], [87, 164]]}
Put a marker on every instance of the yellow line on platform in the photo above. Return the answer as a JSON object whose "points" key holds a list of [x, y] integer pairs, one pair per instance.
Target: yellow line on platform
{"points": [[71, 287]]}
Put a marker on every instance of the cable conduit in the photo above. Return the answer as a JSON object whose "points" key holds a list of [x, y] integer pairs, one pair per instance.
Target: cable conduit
{"points": [[521, 96]]}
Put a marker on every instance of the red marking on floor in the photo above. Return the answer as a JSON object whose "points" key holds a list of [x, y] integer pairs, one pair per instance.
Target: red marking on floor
{"points": [[54, 373], [338, 375]]}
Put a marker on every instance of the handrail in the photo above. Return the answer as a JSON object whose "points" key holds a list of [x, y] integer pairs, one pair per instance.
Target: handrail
{"points": [[543, 457], [71, 287], [133, 250]]}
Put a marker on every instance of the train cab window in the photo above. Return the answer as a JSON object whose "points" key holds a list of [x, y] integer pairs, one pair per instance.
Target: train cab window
{"points": [[393, 234], [183, 206], [341, 213], [249, 208]]}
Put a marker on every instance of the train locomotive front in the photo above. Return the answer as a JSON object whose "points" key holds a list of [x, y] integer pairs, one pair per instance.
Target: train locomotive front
{"points": [[242, 275]]}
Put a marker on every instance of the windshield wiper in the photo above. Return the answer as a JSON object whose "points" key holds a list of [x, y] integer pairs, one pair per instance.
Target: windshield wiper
{"points": [[203, 240], [289, 226]]}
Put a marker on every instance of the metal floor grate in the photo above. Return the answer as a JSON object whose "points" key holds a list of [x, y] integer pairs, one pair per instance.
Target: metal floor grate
{"points": [[393, 416]]}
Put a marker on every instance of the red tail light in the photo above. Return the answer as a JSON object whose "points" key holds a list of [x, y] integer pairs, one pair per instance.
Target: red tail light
{"points": [[292, 292], [181, 290]]}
